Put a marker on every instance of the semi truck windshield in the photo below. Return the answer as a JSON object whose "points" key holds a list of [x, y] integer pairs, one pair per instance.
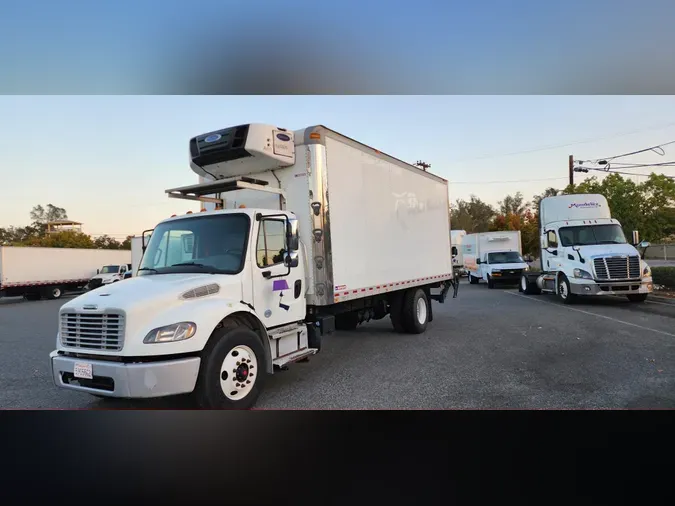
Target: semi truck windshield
{"points": [[206, 244], [588, 235], [110, 269]]}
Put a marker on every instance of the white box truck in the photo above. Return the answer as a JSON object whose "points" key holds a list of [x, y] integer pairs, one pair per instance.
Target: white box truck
{"points": [[35, 273], [456, 237], [584, 252], [494, 257], [310, 231]]}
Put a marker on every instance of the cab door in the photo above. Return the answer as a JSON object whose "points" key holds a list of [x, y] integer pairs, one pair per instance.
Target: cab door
{"points": [[278, 289]]}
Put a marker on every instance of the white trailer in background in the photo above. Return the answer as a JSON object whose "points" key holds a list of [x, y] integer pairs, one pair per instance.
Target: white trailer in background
{"points": [[316, 231], [494, 257], [50, 272], [584, 252], [456, 238]]}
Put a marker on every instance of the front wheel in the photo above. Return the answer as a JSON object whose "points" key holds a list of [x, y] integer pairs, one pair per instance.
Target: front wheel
{"points": [[564, 291], [233, 370], [490, 282], [637, 297], [472, 280]]}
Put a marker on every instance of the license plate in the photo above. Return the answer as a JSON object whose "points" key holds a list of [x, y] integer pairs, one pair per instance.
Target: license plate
{"points": [[83, 371]]}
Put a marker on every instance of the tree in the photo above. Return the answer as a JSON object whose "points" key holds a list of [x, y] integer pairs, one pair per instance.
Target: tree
{"points": [[106, 242], [126, 244], [473, 215], [513, 204], [66, 239]]}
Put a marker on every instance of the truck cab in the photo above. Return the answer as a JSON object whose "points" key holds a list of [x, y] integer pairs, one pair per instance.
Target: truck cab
{"points": [[501, 267], [108, 274], [584, 252]]}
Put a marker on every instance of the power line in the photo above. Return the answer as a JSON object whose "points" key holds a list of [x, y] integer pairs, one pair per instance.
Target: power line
{"points": [[652, 148], [586, 169], [574, 143], [513, 181]]}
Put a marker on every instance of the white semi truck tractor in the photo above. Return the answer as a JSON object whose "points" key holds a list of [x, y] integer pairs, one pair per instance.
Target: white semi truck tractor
{"points": [[300, 233], [584, 252]]}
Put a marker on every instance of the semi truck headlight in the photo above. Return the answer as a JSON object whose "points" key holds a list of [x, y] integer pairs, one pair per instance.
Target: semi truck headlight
{"points": [[171, 333], [580, 273], [646, 271], [527, 268]]}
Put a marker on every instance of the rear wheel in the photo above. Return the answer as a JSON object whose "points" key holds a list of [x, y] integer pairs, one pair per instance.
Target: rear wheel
{"points": [[415, 311], [233, 370], [528, 287], [472, 280], [637, 297], [54, 292]]}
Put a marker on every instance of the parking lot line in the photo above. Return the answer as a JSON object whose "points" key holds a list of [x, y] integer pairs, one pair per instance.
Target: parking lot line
{"points": [[592, 314]]}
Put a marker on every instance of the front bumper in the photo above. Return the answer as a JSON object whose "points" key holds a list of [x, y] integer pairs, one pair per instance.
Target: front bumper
{"points": [[132, 381], [589, 287], [507, 278]]}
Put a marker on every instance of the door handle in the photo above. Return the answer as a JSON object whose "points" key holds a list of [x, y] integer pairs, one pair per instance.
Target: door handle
{"points": [[266, 274]]}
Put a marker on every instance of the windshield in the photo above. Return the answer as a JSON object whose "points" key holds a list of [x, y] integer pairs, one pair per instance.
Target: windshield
{"points": [[505, 257], [587, 235], [110, 269], [209, 244]]}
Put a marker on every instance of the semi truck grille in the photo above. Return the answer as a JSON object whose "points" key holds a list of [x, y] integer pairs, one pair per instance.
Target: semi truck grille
{"points": [[612, 268], [95, 283], [92, 331]]}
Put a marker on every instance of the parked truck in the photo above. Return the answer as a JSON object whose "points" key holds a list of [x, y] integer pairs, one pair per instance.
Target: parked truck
{"points": [[36, 273], [584, 252], [109, 274], [310, 231], [494, 257]]}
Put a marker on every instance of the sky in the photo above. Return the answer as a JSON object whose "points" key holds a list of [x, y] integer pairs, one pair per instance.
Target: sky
{"points": [[108, 159]]}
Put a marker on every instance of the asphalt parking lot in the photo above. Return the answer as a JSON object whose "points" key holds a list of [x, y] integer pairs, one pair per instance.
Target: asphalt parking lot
{"points": [[485, 349]]}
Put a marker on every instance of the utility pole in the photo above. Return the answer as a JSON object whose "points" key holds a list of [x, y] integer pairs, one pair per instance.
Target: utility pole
{"points": [[571, 169], [423, 165]]}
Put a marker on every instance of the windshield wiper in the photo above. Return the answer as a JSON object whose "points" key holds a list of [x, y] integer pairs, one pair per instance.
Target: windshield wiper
{"points": [[147, 269], [192, 264], [609, 242]]}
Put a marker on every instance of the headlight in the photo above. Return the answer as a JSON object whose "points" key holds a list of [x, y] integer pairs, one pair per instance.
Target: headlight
{"points": [[527, 268], [497, 271], [646, 271], [580, 273], [171, 333]]}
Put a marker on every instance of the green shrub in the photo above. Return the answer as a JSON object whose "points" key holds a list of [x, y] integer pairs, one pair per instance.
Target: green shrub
{"points": [[664, 276]]}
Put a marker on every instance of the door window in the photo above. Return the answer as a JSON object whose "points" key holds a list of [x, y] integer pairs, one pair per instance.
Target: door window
{"points": [[271, 245], [552, 239]]}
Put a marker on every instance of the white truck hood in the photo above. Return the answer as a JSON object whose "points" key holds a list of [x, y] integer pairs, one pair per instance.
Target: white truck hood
{"points": [[152, 292], [605, 250]]}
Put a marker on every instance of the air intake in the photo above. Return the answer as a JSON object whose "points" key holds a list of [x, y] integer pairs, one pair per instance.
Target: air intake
{"points": [[202, 291]]}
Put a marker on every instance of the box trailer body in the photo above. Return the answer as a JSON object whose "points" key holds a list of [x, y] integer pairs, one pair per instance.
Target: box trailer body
{"points": [[318, 232], [494, 257], [50, 272], [584, 252]]}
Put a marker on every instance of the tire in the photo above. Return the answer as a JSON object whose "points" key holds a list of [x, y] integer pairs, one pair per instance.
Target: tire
{"points": [[637, 297], [528, 287], [472, 280], [490, 282], [564, 291], [416, 311], [53, 292], [346, 321], [232, 357], [396, 312]]}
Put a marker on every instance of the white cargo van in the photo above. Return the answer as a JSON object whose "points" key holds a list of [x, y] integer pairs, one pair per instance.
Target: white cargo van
{"points": [[584, 252], [312, 231], [494, 257]]}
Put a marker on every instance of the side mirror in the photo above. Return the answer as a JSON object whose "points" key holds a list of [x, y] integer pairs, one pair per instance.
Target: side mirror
{"points": [[292, 237], [98, 271], [291, 259], [479, 261], [644, 244]]}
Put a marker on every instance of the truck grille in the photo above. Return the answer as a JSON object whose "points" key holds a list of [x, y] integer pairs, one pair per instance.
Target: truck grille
{"points": [[95, 283], [93, 331], [611, 268]]}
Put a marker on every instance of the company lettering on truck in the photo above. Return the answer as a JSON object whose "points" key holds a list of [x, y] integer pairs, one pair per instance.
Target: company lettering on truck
{"points": [[585, 205]]}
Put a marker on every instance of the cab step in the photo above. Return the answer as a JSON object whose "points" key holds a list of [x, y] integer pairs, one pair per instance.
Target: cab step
{"points": [[296, 356]]}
